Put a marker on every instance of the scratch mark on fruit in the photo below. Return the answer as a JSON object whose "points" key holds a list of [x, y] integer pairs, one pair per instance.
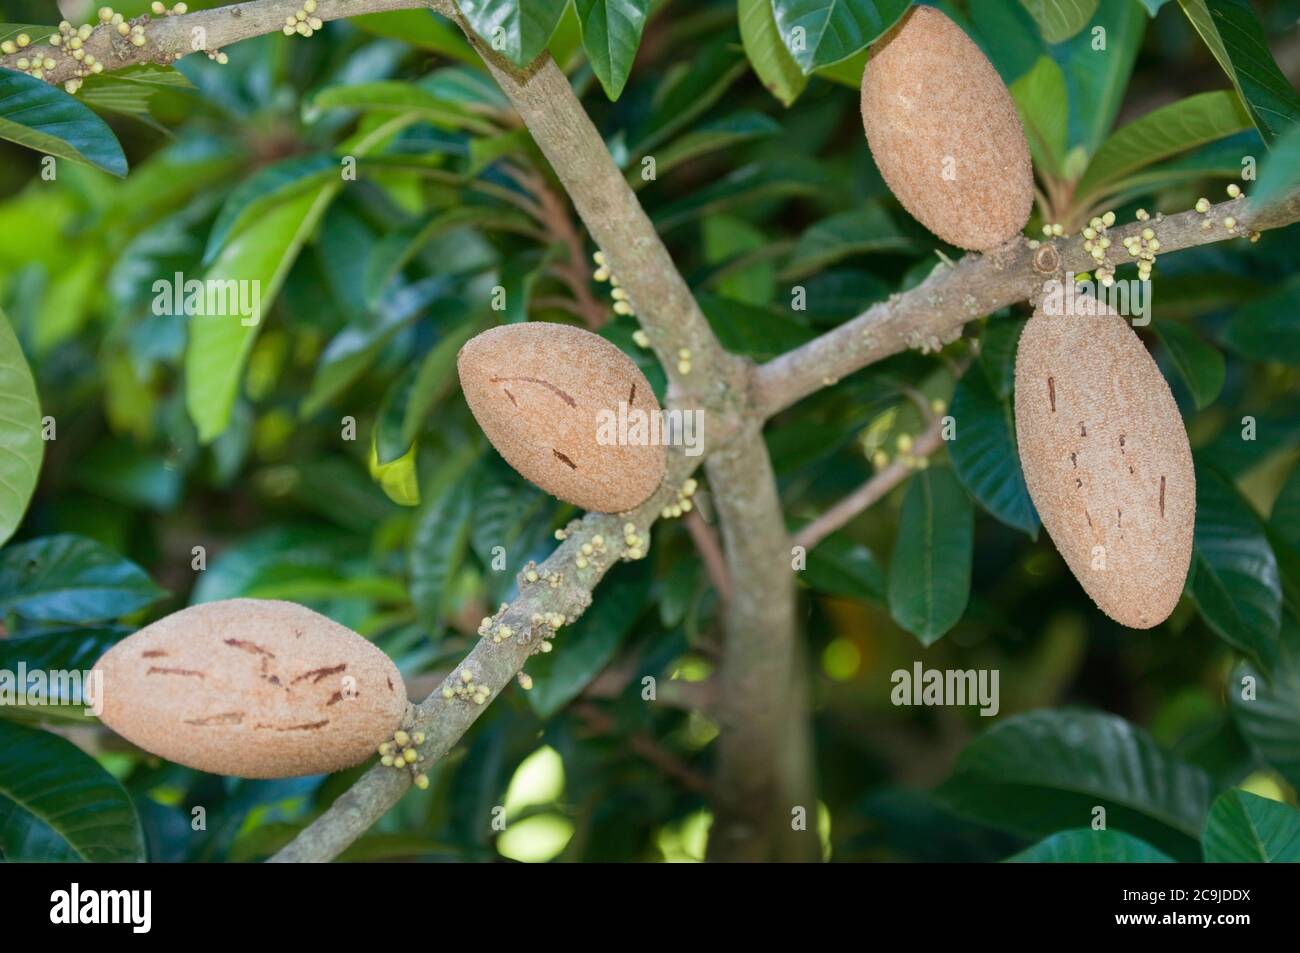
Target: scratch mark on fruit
{"points": [[1162, 497], [511, 396], [1119, 519], [563, 459], [631, 398], [1083, 431], [334, 699], [1051, 392], [156, 670], [225, 718], [537, 380], [1074, 460], [154, 653], [251, 647], [1088, 517], [317, 674], [1121, 444], [306, 726]]}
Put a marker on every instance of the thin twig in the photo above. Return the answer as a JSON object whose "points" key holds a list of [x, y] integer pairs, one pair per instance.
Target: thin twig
{"points": [[710, 550]]}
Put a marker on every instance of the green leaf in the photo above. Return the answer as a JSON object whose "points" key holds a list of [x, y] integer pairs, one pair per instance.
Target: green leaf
{"points": [[842, 567], [420, 28], [929, 572], [1097, 79], [1200, 365], [49, 785], [130, 91], [59, 649], [724, 133], [584, 649], [1162, 133], [518, 28], [1270, 720], [21, 446], [821, 32], [1060, 19], [434, 380], [984, 453], [219, 344], [1036, 773], [1268, 329], [772, 62], [43, 117], [1235, 37], [248, 201], [67, 578], [747, 185], [998, 353], [1044, 110], [1234, 577], [391, 96], [1285, 517], [862, 231], [1246, 828], [611, 33], [731, 240], [1280, 171], [397, 478], [441, 537], [756, 332], [1086, 846]]}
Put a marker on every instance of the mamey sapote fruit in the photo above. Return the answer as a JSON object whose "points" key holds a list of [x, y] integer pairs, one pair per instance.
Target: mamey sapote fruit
{"points": [[548, 396], [1106, 459], [252, 688], [945, 133]]}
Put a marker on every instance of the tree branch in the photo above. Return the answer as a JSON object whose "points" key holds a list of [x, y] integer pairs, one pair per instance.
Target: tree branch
{"points": [[933, 313]]}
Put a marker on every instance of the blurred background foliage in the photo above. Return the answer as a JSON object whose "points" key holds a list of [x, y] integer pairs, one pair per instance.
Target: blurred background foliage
{"points": [[327, 456]]}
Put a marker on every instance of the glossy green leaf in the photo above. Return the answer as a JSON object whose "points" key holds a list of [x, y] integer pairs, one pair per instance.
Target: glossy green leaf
{"points": [[1279, 173], [45, 118], [130, 91], [50, 786], [1086, 846], [583, 650], [1040, 99], [772, 62], [1246, 828], [1237, 40], [1234, 577], [611, 34], [1162, 133], [61, 649], [69, 578], [840, 566], [21, 446], [1060, 19], [396, 477], [219, 344], [929, 572], [1268, 329], [251, 199], [1199, 364], [434, 379], [984, 454], [821, 32], [1266, 708], [998, 353], [520, 29], [440, 539], [1037, 773]]}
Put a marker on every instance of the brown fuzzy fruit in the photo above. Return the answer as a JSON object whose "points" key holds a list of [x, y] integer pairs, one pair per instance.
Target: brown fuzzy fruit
{"points": [[252, 688], [1106, 460], [545, 395], [945, 133]]}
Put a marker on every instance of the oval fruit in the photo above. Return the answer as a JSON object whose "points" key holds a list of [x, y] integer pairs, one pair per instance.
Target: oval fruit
{"points": [[1106, 460], [252, 688], [945, 133], [551, 397]]}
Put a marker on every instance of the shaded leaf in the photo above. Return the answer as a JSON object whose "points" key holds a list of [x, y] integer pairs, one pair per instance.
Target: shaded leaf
{"points": [[69, 578], [1280, 170], [861, 231], [1200, 365], [1086, 846], [50, 786], [1270, 720], [1036, 773], [1246, 828], [984, 453], [43, 117], [441, 538], [1060, 19], [1044, 110], [842, 567], [1268, 329], [929, 572]]}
